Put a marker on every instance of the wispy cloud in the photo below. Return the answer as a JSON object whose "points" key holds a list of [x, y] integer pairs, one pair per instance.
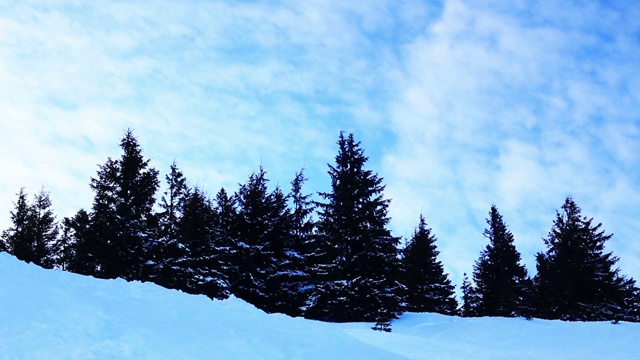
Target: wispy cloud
{"points": [[518, 107], [221, 87]]}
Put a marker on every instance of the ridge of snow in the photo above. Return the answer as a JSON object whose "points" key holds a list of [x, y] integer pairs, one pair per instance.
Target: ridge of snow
{"points": [[51, 314]]}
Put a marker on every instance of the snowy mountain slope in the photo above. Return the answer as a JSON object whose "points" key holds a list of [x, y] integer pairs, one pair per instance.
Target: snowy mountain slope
{"points": [[47, 314]]}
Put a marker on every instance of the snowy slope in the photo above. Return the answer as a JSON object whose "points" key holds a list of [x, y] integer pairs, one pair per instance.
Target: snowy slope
{"points": [[46, 314]]}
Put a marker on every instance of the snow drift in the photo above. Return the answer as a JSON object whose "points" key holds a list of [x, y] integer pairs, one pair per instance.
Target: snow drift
{"points": [[48, 314]]}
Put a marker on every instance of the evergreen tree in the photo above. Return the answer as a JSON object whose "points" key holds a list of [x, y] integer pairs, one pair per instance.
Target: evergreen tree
{"points": [[79, 252], [225, 215], [34, 233], [204, 260], [428, 289], [167, 256], [355, 256], [576, 278], [302, 209], [502, 287], [187, 255], [262, 231], [18, 239], [122, 225], [466, 310], [295, 276]]}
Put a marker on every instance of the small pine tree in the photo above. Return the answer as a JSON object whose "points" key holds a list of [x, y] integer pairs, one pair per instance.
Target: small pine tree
{"points": [[502, 287], [467, 298], [225, 215], [18, 239], [428, 288], [382, 326], [79, 253], [34, 234], [576, 278]]}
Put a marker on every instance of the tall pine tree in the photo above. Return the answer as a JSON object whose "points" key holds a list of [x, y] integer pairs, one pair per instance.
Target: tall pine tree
{"points": [[577, 279], [122, 225], [356, 257], [428, 289], [502, 287]]}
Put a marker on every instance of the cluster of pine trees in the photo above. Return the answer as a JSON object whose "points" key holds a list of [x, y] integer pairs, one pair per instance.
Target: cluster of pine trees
{"points": [[331, 260]]}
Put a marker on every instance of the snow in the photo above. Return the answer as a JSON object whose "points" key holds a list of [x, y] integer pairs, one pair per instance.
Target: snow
{"points": [[49, 314]]}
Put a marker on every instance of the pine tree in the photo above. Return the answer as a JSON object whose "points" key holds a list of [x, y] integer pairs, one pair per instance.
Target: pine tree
{"points": [[295, 276], [303, 208], [34, 233], [187, 255], [167, 255], [79, 253], [262, 232], [18, 239], [428, 288], [289, 285], [467, 298], [122, 225], [502, 287], [356, 257], [225, 215], [576, 278], [204, 260]]}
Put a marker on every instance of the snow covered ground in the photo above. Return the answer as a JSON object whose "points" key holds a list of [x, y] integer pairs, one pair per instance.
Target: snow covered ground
{"points": [[48, 314]]}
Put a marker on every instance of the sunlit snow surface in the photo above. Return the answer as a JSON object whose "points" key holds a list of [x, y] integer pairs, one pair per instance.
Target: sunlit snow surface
{"points": [[46, 314]]}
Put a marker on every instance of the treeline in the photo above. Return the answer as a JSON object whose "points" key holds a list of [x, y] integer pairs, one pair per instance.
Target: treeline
{"points": [[331, 260]]}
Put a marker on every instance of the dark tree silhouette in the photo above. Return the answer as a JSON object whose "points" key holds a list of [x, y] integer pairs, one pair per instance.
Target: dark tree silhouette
{"points": [[122, 225], [576, 278], [502, 287], [428, 289], [262, 232], [33, 235], [466, 308], [355, 256], [167, 256]]}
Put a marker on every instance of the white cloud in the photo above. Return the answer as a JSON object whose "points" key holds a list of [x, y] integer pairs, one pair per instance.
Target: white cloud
{"points": [[519, 107]]}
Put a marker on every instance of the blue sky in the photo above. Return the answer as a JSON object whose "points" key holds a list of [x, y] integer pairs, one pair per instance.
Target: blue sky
{"points": [[458, 104]]}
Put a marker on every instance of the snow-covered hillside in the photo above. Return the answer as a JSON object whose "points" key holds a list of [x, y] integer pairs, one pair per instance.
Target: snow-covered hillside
{"points": [[46, 314]]}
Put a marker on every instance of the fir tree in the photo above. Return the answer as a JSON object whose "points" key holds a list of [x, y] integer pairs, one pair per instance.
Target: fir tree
{"points": [[428, 288], [18, 239], [122, 224], [79, 253], [262, 230], [576, 278], [225, 215], [292, 277], [302, 223], [502, 287], [224, 241], [356, 257], [167, 256], [204, 260], [467, 302], [187, 255], [34, 233]]}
